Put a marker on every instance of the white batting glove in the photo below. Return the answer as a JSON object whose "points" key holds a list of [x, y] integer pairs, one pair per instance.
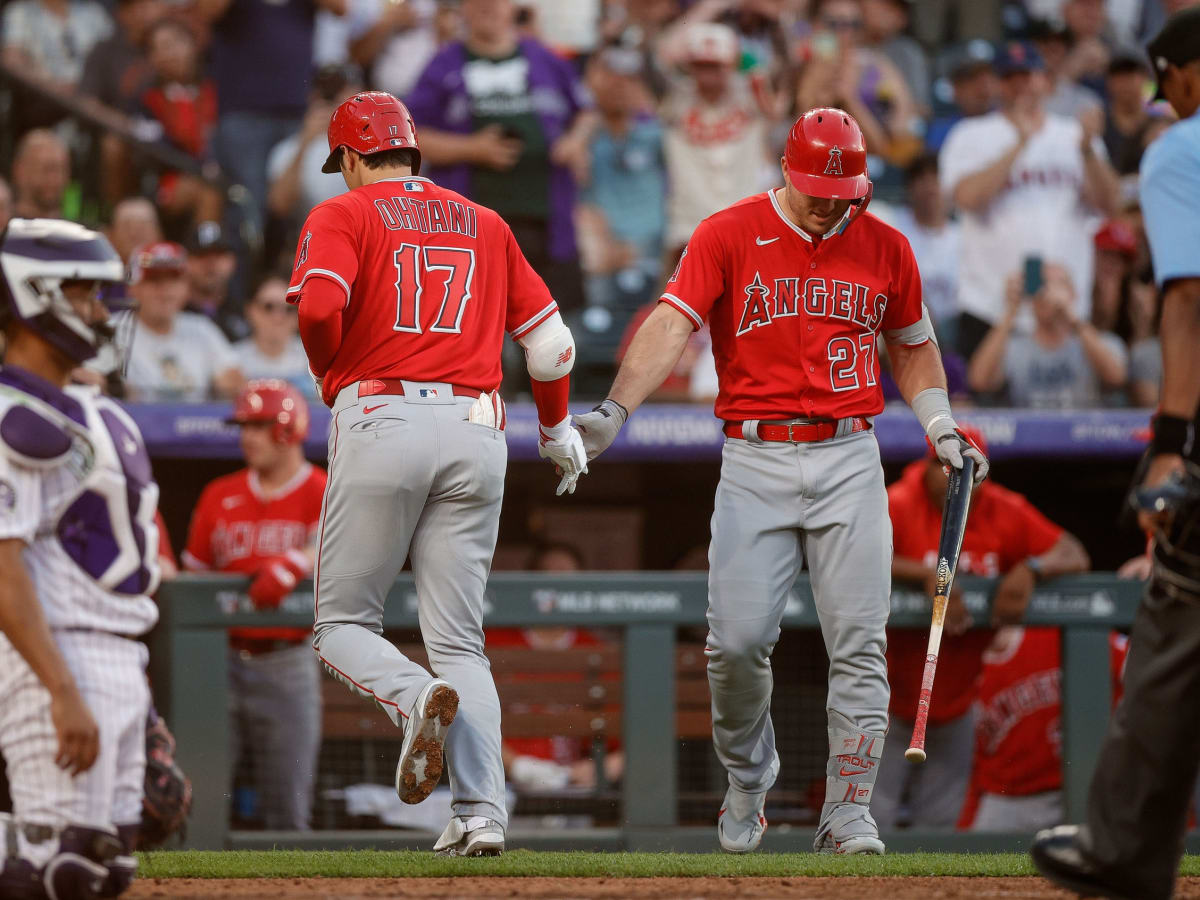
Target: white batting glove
{"points": [[563, 446], [600, 426], [952, 445]]}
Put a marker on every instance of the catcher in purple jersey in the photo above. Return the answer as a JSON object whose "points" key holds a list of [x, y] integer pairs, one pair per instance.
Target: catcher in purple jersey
{"points": [[78, 558]]}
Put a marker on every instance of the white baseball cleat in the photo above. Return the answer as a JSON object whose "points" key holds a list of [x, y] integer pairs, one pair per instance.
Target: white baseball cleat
{"points": [[421, 753], [741, 823], [471, 836], [849, 830]]}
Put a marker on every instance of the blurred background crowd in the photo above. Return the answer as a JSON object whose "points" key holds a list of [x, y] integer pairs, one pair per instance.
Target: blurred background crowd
{"points": [[1005, 137]]}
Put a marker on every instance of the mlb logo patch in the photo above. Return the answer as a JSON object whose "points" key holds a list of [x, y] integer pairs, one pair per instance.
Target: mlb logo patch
{"points": [[429, 393], [413, 186]]}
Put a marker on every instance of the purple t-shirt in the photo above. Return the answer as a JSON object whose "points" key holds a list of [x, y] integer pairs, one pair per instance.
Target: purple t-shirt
{"points": [[262, 56]]}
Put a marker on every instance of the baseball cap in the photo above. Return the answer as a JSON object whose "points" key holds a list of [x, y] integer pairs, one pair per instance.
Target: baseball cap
{"points": [[712, 42], [969, 58], [1018, 56], [1117, 237], [159, 258], [208, 237], [622, 60], [1176, 45], [1124, 62]]}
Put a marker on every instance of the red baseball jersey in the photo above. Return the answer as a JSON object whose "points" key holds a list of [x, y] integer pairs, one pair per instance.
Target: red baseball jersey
{"points": [[236, 527], [432, 283], [1018, 736], [1003, 529], [794, 318]]}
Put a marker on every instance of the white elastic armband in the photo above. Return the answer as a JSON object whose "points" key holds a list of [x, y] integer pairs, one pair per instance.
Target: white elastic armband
{"points": [[549, 350], [915, 334]]}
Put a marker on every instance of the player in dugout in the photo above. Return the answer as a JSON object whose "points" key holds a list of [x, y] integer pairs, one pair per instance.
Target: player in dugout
{"points": [[1006, 538], [261, 522]]}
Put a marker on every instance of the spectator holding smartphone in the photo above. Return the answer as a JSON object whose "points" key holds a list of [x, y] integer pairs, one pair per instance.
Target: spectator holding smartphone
{"points": [[1066, 363], [1024, 181]]}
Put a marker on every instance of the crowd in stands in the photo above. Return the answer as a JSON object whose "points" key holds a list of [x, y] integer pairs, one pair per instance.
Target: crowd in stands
{"points": [[1004, 140]]}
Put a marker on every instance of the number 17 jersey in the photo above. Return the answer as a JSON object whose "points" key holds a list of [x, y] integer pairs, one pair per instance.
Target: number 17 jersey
{"points": [[432, 283], [794, 318]]}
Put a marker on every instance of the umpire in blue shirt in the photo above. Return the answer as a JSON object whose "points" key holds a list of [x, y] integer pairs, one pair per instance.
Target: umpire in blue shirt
{"points": [[1138, 804]]}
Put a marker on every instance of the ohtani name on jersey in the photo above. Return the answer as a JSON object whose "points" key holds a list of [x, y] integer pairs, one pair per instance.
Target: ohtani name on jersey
{"points": [[426, 216], [826, 298]]}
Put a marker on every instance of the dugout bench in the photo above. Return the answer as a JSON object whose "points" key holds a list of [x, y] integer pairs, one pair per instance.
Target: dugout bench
{"points": [[659, 698]]}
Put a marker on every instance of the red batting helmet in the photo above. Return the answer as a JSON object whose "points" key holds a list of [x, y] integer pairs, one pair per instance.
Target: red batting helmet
{"points": [[273, 401], [826, 155], [368, 123]]}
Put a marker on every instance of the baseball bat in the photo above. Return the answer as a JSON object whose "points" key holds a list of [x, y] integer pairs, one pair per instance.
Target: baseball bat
{"points": [[954, 524]]}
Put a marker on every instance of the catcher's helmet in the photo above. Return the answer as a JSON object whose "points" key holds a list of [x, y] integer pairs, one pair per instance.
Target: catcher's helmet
{"points": [[36, 257], [368, 123], [826, 155], [273, 401]]}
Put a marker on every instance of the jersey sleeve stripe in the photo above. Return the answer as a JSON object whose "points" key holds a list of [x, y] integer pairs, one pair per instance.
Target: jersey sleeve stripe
{"points": [[325, 273], [672, 300], [537, 320]]}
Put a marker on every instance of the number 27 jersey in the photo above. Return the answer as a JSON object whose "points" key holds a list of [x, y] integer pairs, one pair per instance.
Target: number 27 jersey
{"points": [[432, 283], [794, 319]]}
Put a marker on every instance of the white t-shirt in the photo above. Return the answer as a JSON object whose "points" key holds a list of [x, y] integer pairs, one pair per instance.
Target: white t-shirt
{"points": [[405, 54], [1039, 212], [936, 252], [179, 365], [315, 186], [716, 155], [291, 365]]}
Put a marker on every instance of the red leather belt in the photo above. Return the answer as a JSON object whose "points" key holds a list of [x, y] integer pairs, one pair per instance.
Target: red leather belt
{"points": [[369, 387], [796, 432]]}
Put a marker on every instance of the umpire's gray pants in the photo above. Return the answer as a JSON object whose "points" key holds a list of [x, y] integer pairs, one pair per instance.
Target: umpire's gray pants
{"points": [[413, 478], [275, 716], [776, 505]]}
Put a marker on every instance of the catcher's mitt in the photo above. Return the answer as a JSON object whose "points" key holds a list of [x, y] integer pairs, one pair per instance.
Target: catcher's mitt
{"points": [[167, 798]]}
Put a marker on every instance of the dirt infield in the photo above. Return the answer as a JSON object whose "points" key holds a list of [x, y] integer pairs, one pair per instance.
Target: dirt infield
{"points": [[607, 888]]}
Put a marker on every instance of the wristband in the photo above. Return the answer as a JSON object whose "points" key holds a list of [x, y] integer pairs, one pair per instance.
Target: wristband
{"points": [[1172, 434], [932, 408], [1035, 566]]}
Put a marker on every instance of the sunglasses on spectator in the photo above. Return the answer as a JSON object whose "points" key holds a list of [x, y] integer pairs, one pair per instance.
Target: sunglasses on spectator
{"points": [[838, 24], [275, 308]]}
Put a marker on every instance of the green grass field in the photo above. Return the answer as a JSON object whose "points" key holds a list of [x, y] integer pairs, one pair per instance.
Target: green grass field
{"points": [[525, 863]]}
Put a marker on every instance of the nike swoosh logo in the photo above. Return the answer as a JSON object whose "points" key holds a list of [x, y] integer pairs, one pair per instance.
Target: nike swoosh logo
{"points": [[371, 409], [846, 774], [762, 243]]}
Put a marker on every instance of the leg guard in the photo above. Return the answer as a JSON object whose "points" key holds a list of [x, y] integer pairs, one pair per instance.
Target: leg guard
{"points": [[19, 878], [122, 868], [846, 823]]}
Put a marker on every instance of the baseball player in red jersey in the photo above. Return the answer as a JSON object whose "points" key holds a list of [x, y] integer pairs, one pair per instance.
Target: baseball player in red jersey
{"points": [[262, 522], [405, 291], [796, 285], [1006, 538], [1016, 774]]}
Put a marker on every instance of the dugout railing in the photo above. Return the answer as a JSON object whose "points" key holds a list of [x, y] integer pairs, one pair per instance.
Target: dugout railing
{"points": [[190, 679]]}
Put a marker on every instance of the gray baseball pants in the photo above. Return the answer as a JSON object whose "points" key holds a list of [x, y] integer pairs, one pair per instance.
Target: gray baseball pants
{"points": [[275, 714], [935, 790], [777, 505], [411, 478]]}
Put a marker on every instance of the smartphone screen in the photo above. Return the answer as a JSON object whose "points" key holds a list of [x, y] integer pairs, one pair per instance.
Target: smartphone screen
{"points": [[1033, 275]]}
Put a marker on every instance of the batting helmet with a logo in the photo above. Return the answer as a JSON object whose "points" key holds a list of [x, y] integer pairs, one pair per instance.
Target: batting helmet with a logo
{"points": [[273, 401], [826, 155], [371, 122]]}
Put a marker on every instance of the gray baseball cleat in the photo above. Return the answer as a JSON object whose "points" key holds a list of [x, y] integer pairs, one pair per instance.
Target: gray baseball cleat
{"points": [[849, 829], [421, 754], [471, 836], [741, 823]]}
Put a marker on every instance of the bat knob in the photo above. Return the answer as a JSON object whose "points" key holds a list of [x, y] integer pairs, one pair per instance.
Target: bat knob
{"points": [[914, 755]]}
